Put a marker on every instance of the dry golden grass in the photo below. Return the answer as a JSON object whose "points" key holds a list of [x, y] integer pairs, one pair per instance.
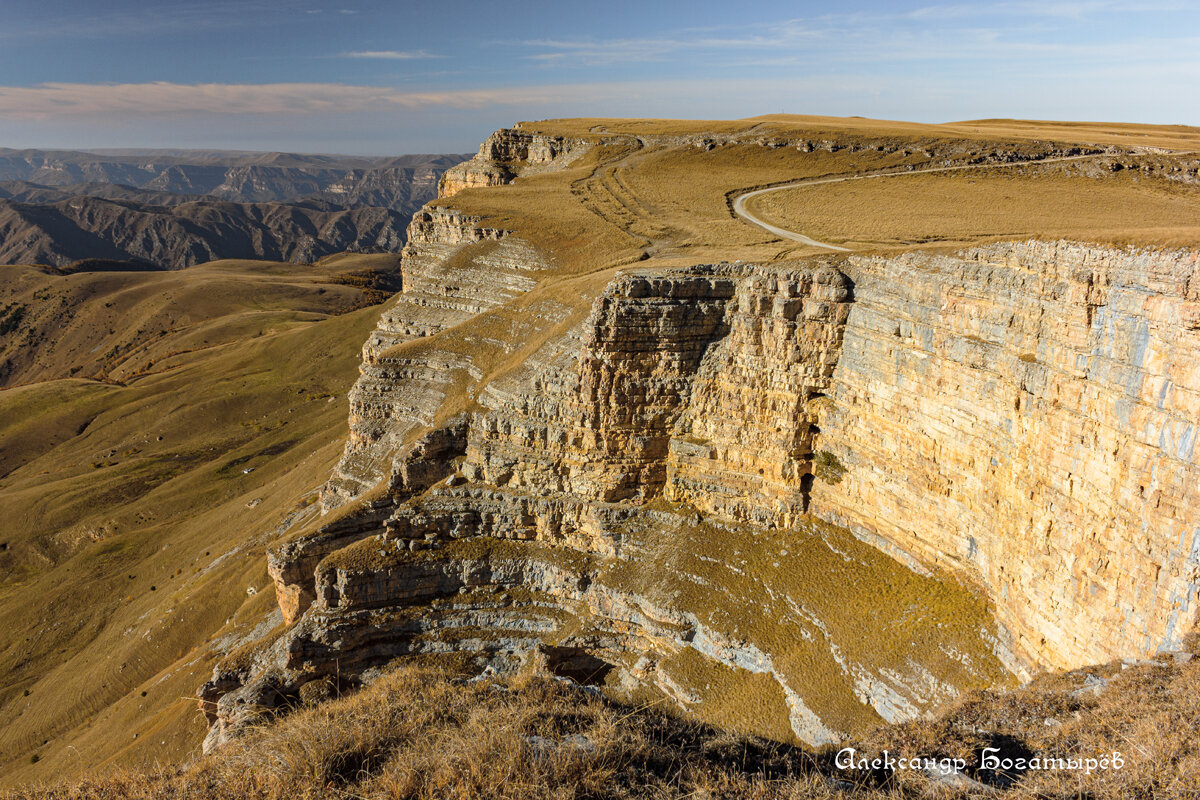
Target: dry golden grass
{"points": [[419, 734], [1148, 712], [132, 529], [648, 192], [974, 205], [1122, 134], [855, 590], [1174, 137], [234, 364], [116, 325]]}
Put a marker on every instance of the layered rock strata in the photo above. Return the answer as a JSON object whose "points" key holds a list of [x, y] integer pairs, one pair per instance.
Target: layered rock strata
{"points": [[644, 491], [648, 494], [1027, 414], [571, 512], [508, 153], [453, 269]]}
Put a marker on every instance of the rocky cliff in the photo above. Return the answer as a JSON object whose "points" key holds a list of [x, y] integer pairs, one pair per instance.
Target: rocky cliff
{"points": [[1026, 414], [180, 209], [507, 154], [556, 518], [794, 498]]}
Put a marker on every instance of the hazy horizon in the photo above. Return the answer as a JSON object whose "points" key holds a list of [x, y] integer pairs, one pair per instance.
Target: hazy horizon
{"points": [[375, 78]]}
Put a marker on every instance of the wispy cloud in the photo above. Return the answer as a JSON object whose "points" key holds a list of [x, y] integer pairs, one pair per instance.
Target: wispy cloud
{"points": [[390, 55], [989, 34], [788, 34], [1064, 9], [61, 100]]}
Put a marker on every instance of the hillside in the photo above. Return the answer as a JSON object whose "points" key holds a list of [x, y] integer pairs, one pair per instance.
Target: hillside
{"points": [[612, 431], [143, 465], [26, 192], [179, 208], [529, 736], [190, 233], [401, 183], [105, 322]]}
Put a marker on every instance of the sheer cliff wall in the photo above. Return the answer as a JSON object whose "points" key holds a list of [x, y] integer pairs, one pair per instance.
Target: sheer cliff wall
{"points": [[793, 499], [1026, 414], [628, 504]]}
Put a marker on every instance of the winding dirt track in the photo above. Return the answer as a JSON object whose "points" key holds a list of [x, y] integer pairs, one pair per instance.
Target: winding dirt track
{"points": [[739, 202]]}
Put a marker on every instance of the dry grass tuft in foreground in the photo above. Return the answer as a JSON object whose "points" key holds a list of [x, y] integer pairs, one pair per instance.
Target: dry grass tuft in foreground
{"points": [[420, 733]]}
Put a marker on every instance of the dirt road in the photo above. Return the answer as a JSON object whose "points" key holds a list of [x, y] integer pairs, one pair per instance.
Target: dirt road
{"points": [[739, 203]]}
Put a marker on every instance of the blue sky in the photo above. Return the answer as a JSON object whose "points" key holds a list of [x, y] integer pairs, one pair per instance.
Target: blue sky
{"points": [[362, 76]]}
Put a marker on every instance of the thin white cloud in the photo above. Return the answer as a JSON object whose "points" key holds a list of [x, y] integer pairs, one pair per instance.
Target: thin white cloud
{"points": [[947, 33], [391, 55], [160, 19], [113, 101], [1069, 9]]}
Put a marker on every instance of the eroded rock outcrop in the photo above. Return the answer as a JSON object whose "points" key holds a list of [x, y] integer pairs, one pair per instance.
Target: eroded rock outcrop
{"points": [[508, 153], [571, 511], [453, 270], [745, 488], [1027, 414]]}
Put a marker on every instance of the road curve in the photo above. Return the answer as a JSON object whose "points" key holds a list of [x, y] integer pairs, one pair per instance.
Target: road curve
{"points": [[739, 202]]}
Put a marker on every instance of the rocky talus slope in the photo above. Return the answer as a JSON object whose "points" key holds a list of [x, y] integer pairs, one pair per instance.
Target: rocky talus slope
{"points": [[793, 498]]}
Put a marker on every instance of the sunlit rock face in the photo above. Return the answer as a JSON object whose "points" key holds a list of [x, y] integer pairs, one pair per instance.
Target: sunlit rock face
{"points": [[792, 499], [508, 153], [633, 493], [1027, 414]]}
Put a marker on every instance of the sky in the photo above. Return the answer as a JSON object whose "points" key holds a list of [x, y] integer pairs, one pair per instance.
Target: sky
{"points": [[385, 78]]}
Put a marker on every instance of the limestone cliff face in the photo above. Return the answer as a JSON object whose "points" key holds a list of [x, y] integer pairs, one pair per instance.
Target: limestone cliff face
{"points": [[453, 269], [600, 429], [568, 515], [743, 447], [508, 153], [1027, 414], [690, 385], [643, 499], [745, 488]]}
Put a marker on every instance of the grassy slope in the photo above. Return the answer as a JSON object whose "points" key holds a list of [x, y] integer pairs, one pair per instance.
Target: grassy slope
{"points": [[668, 202], [531, 738], [115, 325], [1122, 134], [96, 497], [133, 532]]}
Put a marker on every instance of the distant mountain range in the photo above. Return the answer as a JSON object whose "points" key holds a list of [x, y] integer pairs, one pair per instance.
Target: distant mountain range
{"points": [[175, 208]]}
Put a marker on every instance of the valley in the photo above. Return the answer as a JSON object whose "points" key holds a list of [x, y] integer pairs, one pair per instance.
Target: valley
{"points": [[621, 420], [175, 209]]}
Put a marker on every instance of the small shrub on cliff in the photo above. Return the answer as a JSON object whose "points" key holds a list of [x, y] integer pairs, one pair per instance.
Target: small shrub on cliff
{"points": [[10, 320], [827, 467]]}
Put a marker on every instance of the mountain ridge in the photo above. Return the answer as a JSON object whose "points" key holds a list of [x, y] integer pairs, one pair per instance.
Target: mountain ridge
{"points": [[188, 207]]}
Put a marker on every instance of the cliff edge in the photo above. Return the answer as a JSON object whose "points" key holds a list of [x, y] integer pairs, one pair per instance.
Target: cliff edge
{"points": [[792, 494]]}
